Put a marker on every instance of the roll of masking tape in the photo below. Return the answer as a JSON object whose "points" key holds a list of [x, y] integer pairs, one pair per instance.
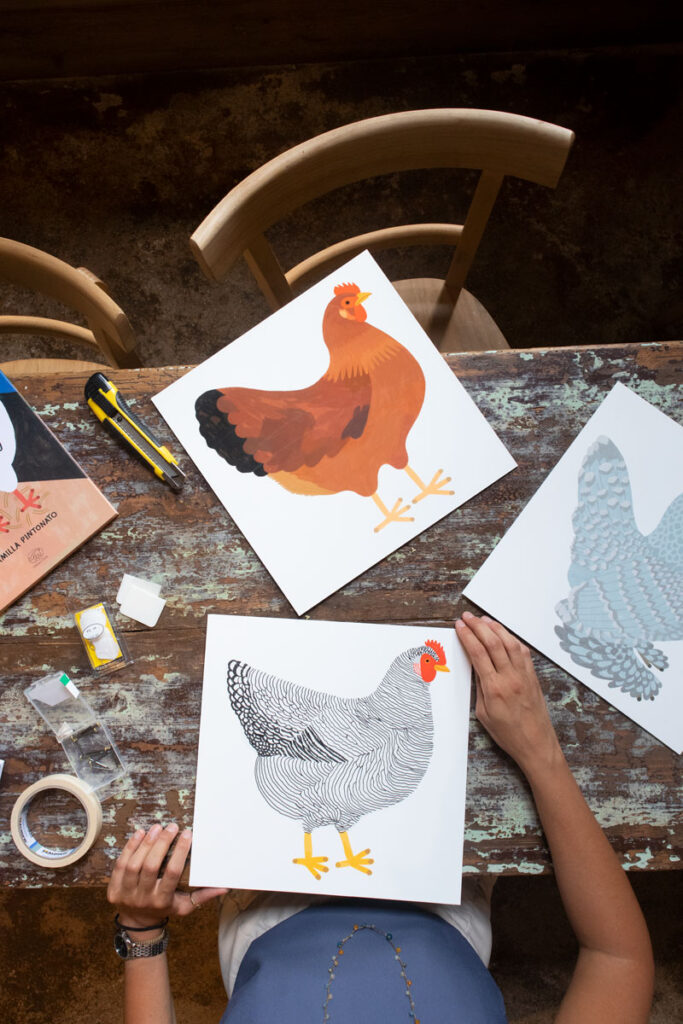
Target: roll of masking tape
{"points": [[31, 847]]}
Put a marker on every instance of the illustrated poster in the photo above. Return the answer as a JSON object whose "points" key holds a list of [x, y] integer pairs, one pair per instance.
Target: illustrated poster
{"points": [[591, 572], [333, 432], [332, 759], [48, 506]]}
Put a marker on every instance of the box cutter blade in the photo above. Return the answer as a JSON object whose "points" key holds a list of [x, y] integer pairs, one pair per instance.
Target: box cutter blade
{"points": [[116, 416]]}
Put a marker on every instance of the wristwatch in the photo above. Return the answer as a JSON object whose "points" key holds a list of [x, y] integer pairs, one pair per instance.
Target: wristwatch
{"points": [[127, 949]]}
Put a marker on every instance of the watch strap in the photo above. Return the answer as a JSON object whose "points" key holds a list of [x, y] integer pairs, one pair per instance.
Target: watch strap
{"points": [[123, 927], [128, 949]]}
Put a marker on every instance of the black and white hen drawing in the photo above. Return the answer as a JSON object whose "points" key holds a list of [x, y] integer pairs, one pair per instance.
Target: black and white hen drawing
{"points": [[627, 587], [328, 760]]}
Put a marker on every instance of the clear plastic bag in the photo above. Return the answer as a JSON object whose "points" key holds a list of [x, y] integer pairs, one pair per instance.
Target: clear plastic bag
{"points": [[87, 742]]}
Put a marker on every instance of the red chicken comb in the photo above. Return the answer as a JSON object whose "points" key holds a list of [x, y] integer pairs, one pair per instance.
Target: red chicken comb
{"points": [[435, 646], [346, 289]]}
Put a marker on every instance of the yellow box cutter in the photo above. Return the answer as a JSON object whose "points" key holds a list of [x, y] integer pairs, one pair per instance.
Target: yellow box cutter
{"points": [[115, 415]]}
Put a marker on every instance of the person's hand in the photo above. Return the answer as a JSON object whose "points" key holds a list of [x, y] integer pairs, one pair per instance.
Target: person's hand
{"points": [[142, 896], [510, 704]]}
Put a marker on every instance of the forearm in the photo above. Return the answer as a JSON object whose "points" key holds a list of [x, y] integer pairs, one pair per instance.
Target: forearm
{"points": [[146, 894], [596, 893], [614, 973], [612, 983], [148, 997]]}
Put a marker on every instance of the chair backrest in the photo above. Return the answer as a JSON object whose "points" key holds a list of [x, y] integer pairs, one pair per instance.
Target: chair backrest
{"points": [[497, 144], [108, 329]]}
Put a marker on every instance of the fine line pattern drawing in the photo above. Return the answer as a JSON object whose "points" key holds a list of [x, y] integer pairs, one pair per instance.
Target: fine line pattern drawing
{"points": [[627, 587], [324, 760]]}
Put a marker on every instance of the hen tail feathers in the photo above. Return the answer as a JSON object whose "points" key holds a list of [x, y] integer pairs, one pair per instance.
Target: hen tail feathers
{"points": [[622, 665], [267, 736], [221, 435]]}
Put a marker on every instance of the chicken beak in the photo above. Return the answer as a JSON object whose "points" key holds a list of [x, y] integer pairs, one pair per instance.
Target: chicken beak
{"points": [[362, 296], [442, 668]]}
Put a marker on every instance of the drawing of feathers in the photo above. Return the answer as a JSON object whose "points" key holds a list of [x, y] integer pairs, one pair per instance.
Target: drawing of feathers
{"points": [[337, 433], [323, 759], [627, 587]]}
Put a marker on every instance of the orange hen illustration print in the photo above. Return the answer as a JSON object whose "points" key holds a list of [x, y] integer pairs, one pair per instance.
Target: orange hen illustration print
{"points": [[336, 434]]}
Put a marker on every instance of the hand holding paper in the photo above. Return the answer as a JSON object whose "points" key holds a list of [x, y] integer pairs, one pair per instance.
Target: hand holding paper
{"points": [[510, 703], [143, 892]]}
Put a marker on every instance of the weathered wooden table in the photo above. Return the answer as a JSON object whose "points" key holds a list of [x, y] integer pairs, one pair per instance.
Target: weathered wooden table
{"points": [[537, 401]]}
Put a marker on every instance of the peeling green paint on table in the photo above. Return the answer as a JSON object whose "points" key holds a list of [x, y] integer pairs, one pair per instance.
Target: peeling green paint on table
{"points": [[537, 401]]}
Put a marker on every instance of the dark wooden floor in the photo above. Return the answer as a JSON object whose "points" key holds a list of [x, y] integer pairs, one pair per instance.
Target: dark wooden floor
{"points": [[59, 963], [62, 38], [115, 174]]}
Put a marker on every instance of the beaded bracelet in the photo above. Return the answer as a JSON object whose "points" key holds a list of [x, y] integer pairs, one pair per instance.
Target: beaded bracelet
{"points": [[132, 928]]}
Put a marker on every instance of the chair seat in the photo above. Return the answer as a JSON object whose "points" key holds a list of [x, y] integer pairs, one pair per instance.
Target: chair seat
{"points": [[495, 143], [29, 367], [469, 329]]}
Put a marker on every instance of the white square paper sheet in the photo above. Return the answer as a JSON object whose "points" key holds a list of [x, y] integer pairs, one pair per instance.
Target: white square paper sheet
{"points": [[591, 572], [355, 758], [313, 543]]}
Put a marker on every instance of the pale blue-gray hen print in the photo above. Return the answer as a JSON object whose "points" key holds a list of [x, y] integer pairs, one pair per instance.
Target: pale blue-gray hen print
{"points": [[627, 588]]}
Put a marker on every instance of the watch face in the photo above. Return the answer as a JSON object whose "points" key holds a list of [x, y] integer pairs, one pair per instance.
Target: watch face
{"points": [[120, 945]]}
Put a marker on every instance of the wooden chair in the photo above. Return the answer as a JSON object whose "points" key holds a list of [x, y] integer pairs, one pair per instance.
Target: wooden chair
{"points": [[108, 329], [497, 144]]}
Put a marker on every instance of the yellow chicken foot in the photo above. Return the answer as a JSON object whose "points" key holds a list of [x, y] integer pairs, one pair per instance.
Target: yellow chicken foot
{"points": [[314, 864], [396, 515], [354, 860], [435, 485]]}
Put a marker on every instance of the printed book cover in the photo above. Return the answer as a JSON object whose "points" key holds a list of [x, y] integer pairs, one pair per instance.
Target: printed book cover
{"points": [[48, 506]]}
